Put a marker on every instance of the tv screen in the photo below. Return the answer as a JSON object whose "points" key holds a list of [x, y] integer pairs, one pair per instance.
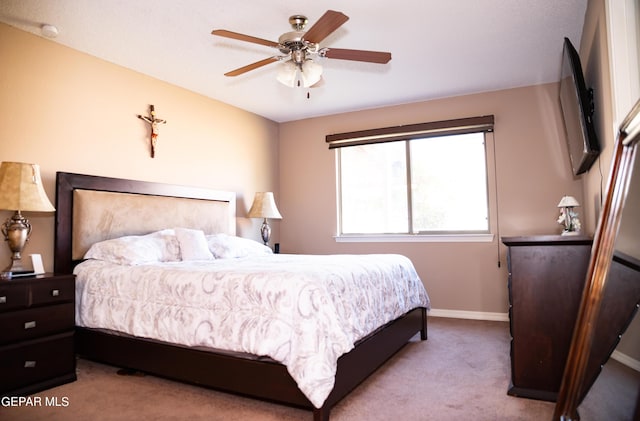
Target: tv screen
{"points": [[576, 102]]}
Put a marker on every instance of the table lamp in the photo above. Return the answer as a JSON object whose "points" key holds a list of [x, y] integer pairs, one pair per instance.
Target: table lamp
{"points": [[20, 190], [264, 206]]}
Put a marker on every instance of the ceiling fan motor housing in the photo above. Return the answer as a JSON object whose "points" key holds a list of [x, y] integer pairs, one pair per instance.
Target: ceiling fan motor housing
{"points": [[291, 41]]}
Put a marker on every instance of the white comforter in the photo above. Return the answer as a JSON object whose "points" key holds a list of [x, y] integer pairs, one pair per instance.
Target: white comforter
{"points": [[303, 311]]}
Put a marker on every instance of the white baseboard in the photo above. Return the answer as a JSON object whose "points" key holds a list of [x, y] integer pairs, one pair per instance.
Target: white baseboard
{"points": [[504, 317], [473, 315], [626, 360]]}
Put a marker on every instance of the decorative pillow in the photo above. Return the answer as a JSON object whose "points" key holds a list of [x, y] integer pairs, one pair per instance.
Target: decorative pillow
{"points": [[193, 244], [224, 246], [159, 246]]}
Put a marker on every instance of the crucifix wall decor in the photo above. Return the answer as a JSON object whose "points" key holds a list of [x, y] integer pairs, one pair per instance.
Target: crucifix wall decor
{"points": [[154, 122]]}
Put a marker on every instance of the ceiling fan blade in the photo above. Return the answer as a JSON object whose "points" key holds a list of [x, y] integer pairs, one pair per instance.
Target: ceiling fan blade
{"points": [[243, 37], [329, 22], [251, 66], [357, 55]]}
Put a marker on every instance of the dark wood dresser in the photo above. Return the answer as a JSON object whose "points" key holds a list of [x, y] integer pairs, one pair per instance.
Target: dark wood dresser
{"points": [[36, 333], [546, 278]]}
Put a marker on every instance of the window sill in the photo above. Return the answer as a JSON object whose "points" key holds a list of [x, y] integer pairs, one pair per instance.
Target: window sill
{"points": [[407, 238]]}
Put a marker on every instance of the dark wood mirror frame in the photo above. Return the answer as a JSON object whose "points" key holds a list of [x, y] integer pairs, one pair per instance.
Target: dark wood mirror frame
{"points": [[576, 381]]}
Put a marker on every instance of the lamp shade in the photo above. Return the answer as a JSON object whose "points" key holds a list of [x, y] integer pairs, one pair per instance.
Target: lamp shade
{"points": [[568, 202], [21, 188], [264, 206]]}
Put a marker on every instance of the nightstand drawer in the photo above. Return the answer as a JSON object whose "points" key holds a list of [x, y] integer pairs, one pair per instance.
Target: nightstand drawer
{"points": [[52, 291], [13, 296], [36, 361], [34, 323]]}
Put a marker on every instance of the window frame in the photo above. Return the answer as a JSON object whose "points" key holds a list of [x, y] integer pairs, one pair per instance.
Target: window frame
{"points": [[407, 133]]}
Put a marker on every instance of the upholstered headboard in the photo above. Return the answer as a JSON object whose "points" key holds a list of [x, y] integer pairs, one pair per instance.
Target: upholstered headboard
{"points": [[91, 209]]}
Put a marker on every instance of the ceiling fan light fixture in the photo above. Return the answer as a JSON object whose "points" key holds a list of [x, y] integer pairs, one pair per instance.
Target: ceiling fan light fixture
{"points": [[311, 73], [306, 75], [287, 74]]}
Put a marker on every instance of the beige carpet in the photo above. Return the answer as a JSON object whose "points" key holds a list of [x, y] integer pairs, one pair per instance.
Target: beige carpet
{"points": [[461, 373]]}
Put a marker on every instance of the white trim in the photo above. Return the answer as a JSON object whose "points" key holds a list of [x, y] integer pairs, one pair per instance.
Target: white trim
{"points": [[621, 24], [626, 360], [504, 317], [472, 315], [414, 238]]}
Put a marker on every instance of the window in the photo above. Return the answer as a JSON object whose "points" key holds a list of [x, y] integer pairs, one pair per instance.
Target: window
{"points": [[420, 182]]}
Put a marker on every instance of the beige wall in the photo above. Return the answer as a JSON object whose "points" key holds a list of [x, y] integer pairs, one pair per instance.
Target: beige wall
{"points": [[531, 164], [69, 111], [595, 66]]}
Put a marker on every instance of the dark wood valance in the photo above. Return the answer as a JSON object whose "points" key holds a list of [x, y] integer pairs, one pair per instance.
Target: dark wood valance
{"points": [[412, 131]]}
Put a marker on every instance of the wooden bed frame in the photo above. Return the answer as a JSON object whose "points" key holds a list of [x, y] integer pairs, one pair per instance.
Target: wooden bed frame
{"points": [[252, 377]]}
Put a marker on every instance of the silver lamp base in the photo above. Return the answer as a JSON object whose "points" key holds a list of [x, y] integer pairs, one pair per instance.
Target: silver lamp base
{"points": [[265, 231], [16, 231]]}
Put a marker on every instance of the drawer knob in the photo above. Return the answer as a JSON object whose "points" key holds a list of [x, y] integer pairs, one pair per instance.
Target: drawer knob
{"points": [[29, 364], [3, 300], [55, 293], [30, 325]]}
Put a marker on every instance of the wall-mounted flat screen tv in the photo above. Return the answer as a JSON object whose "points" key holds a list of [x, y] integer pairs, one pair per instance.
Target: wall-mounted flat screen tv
{"points": [[576, 102]]}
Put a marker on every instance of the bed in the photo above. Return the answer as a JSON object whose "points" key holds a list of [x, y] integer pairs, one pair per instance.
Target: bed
{"points": [[93, 211]]}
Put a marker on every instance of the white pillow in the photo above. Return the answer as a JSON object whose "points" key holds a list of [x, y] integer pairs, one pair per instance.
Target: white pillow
{"points": [[193, 244], [159, 246], [224, 246]]}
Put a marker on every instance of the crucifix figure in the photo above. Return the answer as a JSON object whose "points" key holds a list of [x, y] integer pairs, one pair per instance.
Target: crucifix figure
{"points": [[153, 121]]}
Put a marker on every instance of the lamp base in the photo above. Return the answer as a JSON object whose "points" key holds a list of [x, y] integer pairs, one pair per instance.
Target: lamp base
{"points": [[265, 231], [16, 268], [16, 231]]}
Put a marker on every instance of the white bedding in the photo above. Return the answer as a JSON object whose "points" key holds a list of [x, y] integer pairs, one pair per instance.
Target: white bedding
{"points": [[303, 311]]}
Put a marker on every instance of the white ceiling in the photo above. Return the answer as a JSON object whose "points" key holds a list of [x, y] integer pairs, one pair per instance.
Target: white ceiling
{"points": [[439, 48]]}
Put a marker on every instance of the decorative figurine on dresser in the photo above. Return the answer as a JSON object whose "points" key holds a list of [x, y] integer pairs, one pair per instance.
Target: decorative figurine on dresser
{"points": [[568, 216]]}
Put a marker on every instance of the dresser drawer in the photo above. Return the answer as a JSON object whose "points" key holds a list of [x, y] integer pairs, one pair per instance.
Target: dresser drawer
{"points": [[51, 291], [13, 296], [36, 322], [36, 361]]}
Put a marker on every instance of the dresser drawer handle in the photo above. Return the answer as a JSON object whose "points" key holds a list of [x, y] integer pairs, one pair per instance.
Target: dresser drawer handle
{"points": [[29, 364], [30, 325], [3, 300], [55, 293]]}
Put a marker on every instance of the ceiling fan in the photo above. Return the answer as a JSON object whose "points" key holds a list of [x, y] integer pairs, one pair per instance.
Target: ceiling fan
{"points": [[299, 47]]}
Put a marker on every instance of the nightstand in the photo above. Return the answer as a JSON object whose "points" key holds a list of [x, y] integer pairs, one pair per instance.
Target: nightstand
{"points": [[37, 319]]}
